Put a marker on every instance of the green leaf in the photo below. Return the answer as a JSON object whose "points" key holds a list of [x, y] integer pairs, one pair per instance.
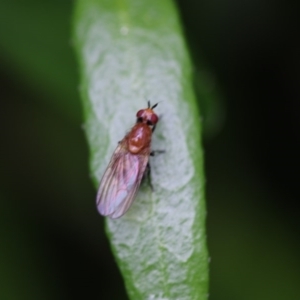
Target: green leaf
{"points": [[130, 51]]}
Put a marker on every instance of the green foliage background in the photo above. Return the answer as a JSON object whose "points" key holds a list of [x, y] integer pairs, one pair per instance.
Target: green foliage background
{"points": [[53, 243]]}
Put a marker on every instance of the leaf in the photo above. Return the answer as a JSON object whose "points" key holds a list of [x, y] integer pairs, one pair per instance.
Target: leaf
{"points": [[130, 51]]}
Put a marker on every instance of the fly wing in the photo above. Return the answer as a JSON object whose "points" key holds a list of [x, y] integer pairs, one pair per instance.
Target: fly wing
{"points": [[120, 182]]}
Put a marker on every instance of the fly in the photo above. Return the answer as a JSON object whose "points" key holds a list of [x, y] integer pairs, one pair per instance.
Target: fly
{"points": [[124, 173]]}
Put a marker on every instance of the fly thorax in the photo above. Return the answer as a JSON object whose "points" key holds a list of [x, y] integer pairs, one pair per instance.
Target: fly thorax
{"points": [[139, 138]]}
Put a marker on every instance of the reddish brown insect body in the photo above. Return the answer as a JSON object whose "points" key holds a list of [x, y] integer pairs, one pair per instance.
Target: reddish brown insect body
{"points": [[123, 176], [139, 138]]}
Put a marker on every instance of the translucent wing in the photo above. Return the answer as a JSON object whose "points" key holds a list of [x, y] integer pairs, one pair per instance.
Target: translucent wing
{"points": [[120, 182]]}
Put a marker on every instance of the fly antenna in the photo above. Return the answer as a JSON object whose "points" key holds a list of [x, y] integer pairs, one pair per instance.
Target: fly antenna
{"points": [[149, 104]]}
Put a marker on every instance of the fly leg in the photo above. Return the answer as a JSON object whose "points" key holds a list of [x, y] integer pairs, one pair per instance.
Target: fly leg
{"points": [[154, 152], [148, 176], [147, 173]]}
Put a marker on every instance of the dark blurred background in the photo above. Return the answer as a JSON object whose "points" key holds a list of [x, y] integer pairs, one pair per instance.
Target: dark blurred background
{"points": [[246, 57]]}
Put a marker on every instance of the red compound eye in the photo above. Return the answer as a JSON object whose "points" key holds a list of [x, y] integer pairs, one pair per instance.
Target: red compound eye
{"points": [[154, 119], [140, 113]]}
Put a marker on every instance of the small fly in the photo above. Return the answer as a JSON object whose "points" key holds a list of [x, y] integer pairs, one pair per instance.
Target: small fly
{"points": [[123, 176]]}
